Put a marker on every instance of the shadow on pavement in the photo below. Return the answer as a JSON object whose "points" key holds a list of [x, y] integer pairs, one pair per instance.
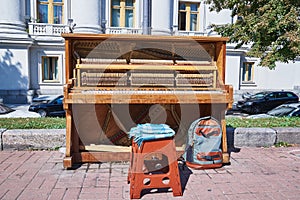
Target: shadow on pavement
{"points": [[184, 172], [230, 140]]}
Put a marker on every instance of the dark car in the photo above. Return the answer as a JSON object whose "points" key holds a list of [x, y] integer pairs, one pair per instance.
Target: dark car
{"points": [[52, 108], [263, 102], [5, 109], [284, 110]]}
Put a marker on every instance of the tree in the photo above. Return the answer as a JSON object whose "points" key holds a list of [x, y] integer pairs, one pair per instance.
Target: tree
{"points": [[271, 27]]}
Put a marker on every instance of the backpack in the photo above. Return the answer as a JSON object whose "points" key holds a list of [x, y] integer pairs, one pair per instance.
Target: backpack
{"points": [[203, 147]]}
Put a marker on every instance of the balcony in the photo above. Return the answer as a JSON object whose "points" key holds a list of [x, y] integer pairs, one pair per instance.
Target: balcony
{"points": [[122, 30], [47, 29]]}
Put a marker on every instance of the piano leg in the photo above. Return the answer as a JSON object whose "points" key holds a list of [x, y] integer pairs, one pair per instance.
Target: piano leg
{"points": [[67, 162], [226, 156]]}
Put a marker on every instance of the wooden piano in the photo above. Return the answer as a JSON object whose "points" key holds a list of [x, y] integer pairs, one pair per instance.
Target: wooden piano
{"points": [[114, 82]]}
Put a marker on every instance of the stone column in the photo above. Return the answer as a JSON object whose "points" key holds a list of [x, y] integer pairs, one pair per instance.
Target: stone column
{"points": [[12, 19], [162, 17], [86, 15]]}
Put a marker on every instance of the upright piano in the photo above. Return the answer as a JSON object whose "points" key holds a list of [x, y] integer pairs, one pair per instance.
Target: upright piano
{"points": [[114, 82]]}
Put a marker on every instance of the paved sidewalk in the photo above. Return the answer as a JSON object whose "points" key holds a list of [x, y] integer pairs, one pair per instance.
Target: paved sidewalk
{"points": [[254, 173]]}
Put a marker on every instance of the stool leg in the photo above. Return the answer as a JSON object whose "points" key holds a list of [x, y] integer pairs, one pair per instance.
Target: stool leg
{"points": [[130, 166], [136, 181], [132, 157], [175, 177], [174, 172]]}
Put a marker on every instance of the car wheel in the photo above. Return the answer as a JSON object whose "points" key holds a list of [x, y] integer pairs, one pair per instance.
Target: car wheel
{"points": [[42, 112]]}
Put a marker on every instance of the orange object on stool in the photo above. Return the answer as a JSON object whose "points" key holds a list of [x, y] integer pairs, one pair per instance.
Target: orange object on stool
{"points": [[153, 165]]}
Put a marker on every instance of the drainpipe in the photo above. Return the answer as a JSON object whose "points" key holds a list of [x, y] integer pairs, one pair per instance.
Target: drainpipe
{"points": [[147, 17], [103, 16]]}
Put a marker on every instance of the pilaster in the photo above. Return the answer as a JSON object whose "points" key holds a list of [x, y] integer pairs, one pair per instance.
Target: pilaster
{"points": [[87, 16]]}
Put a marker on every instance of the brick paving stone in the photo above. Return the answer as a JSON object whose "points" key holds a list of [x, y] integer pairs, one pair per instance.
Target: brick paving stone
{"points": [[72, 193], [103, 182], [241, 196], [117, 192], [91, 180], [3, 192], [69, 182], [106, 165], [254, 173], [57, 193], [4, 156], [12, 193], [94, 193], [33, 194], [36, 183], [19, 157]]}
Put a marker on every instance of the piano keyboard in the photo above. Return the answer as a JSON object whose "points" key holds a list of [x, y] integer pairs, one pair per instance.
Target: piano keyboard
{"points": [[121, 91]]}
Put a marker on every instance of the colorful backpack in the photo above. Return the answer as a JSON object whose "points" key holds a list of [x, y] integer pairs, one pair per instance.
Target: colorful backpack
{"points": [[203, 147]]}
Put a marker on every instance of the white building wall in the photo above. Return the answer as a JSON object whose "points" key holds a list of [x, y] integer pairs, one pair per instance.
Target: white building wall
{"points": [[222, 17], [285, 76], [14, 69], [14, 73], [233, 61]]}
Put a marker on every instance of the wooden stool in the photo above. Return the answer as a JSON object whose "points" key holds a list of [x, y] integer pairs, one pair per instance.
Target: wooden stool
{"points": [[154, 165]]}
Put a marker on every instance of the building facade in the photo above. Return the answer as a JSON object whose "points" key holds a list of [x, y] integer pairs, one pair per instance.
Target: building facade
{"points": [[32, 49]]}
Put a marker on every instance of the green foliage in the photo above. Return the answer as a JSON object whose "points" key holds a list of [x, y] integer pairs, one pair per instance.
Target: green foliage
{"points": [[264, 122], [33, 123], [271, 27], [283, 144], [59, 123]]}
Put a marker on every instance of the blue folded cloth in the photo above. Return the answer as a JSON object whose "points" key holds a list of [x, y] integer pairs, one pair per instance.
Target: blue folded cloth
{"points": [[148, 132]]}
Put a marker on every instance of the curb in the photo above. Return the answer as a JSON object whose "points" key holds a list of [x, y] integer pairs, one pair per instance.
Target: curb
{"points": [[41, 139], [26, 139], [262, 137]]}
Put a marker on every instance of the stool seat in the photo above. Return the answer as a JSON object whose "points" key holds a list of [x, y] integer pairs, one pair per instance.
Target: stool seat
{"points": [[153, 165]]}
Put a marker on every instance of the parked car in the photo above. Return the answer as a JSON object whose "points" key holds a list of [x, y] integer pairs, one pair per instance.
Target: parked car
{"points": [[51, 108], [263, 102], [43, 98], [4, 109], [285, 110], [16, 111]]}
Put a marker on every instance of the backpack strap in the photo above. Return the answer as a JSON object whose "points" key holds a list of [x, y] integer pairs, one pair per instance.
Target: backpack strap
{"points": [[209, 134]]}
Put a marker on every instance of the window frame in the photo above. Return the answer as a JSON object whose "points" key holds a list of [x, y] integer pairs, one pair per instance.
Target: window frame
{"points": [[123, 8], [245, 73], [188, 12], [51, 4]]}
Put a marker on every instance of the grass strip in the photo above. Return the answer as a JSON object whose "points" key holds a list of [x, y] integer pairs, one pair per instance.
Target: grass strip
{"points": [[60, 123]]}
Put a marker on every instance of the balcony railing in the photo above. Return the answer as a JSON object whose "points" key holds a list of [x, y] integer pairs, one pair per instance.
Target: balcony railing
{"points": [[58, 29], [121, 30], [190, 33], [47, 29]]}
